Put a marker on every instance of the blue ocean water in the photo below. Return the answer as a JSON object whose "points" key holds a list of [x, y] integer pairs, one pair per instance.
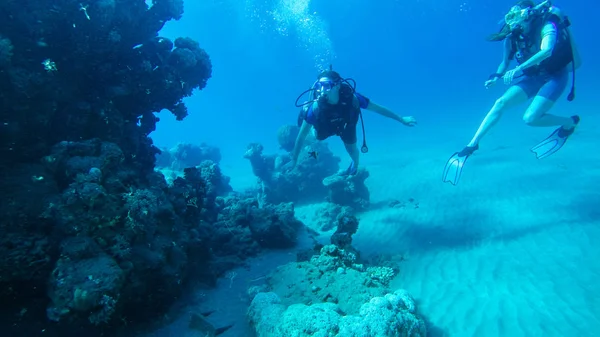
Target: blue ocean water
{"points": [[423, 58]]}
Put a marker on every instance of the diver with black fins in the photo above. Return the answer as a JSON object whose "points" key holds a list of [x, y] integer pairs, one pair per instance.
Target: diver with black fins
{"points": [[334, 108], [539, 39]]}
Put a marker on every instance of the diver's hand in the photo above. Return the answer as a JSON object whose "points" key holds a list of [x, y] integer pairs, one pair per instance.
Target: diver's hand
{"points": [[288, 167], [510, 75], [408, 121], [489, 83]]}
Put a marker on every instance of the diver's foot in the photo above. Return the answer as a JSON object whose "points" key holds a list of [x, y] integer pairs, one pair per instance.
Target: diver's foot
{"points": [[555, 141], [468, 150], [350, 171], [567, 130], [456, 163]]}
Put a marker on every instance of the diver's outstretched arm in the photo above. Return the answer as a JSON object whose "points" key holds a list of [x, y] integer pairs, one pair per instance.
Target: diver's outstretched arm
{"points": [[381, 110]]}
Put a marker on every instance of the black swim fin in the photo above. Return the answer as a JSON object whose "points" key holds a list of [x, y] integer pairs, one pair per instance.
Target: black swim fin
{"points": [[455, 164], [555, 141]]}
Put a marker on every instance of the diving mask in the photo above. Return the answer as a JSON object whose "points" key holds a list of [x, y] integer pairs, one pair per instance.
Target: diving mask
{"points": [[516, 17], [324, 85], [325, 88]]}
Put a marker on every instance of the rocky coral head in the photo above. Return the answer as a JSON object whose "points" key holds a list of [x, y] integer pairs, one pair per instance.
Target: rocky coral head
{"points": [[349, 190], [347, 224], [286, 136], [339, 180], [331, 295], [253, 150]]}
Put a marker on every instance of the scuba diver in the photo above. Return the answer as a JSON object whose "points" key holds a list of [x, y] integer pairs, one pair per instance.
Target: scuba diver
{"points": [[539, 39], [334, 108]]}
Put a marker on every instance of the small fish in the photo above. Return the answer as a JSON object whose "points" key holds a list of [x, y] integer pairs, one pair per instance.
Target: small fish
{"points": [[313, 154]]}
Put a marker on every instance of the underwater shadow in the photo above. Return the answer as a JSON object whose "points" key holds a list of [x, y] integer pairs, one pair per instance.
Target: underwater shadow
{"points": [[585, 206], [420, 237], [463, 231], [425, 238], [432, 329], [376, 206]]}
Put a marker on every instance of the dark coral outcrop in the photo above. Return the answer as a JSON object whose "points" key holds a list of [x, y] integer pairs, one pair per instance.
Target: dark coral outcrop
{"points": [[71, 71], [91, 235]]}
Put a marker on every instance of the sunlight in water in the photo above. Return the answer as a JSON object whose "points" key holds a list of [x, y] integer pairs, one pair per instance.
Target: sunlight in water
{"points": [[293, 18]]}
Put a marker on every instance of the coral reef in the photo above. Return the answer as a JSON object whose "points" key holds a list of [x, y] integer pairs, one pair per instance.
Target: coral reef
{"points": [[286, 136], [95, 240], [93, 71], [315, 177], [347, 226], [333, 295], [85, 282], [185, 155], [304, 183], [172, 162], [103, 243], [324, 216], [120, 241], [246, 220], [349, 191]]}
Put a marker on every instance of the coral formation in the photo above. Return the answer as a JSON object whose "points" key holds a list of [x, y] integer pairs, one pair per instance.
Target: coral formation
{"points": [[323, 216], [185, 155], [315, 178], [349, 191], [302, 184], [331, 291], [346, 227], [333, 294], [286, 136]]}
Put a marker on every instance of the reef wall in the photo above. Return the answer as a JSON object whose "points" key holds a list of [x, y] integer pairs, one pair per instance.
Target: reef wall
{"points": [[92, 237]]}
